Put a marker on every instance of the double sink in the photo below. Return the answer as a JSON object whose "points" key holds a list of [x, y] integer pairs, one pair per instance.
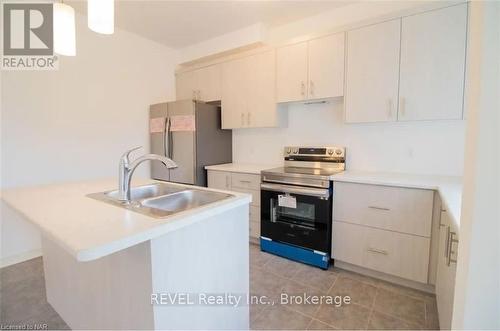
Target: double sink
{"points": [[161, 199]]}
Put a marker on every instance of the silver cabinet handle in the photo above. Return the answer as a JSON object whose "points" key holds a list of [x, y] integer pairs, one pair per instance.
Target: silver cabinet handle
{"points": [[440, 217], [302, 88], [311, 88], [227, 181], [451, 241], [248, 118], [378, 251], [378, 208], [447, 242], [245, 181]]}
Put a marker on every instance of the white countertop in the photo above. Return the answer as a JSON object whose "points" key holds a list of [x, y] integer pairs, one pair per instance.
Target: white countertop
{"points": [[242, 167], [449, 188], [89, 229]]}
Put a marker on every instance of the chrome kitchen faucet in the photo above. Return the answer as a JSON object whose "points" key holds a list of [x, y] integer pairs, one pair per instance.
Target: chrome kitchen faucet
{"points": [[127, 168]]}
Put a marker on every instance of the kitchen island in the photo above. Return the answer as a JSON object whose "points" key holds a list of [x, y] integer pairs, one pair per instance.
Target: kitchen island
{"points": [[108, 267]]}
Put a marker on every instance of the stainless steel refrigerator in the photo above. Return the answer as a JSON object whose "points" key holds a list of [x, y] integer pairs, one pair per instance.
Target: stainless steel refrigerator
{"points": [[188, 132]]}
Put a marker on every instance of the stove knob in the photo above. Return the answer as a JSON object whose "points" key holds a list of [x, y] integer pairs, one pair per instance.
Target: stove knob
{"points": [[295, 151], [288, 150], [330, 152], [338, 152]]}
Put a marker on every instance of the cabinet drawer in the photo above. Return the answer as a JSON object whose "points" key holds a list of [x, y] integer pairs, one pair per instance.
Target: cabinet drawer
{"points": [[392, 208], [255, 195], [254, 229], [245, 181], [397, 254]]}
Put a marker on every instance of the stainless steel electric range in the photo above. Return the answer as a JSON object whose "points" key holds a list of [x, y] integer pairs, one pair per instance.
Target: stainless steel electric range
{"points": [[296, 204]]}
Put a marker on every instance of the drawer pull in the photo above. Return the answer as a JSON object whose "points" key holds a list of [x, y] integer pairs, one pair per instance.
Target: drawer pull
{"points": [[451, 240], [378, 208], [245, 181], [378, 251]]}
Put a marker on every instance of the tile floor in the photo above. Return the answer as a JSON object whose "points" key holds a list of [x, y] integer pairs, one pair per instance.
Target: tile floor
{"points": [[22, 298], [375, 304]]}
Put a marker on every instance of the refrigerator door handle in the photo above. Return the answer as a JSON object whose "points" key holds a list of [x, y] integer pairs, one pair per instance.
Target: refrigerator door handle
{"points": [[165, 136], [170, 140]]}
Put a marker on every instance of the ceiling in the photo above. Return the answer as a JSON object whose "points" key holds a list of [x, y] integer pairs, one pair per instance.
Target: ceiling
{"points": [[178, 24]]}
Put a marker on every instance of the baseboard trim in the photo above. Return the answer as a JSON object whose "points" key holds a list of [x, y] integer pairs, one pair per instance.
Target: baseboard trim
{"points": [[388, 278], [5, 262]]}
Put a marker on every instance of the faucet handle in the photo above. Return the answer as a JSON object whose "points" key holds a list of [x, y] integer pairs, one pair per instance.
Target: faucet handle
{"points": [[125, 155]]}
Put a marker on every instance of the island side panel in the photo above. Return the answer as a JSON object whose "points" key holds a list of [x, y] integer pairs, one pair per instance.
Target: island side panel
{"points": [[108, 293], [211, 256]]}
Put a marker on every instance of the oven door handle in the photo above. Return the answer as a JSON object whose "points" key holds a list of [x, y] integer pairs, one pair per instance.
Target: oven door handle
{"points": [[308, 191]]}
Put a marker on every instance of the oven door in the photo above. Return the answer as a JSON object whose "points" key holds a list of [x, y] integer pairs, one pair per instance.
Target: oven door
{"points": [[297, 215]]}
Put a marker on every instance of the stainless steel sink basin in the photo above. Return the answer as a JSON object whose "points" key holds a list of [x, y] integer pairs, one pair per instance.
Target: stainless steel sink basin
{"points": [[146, 191], [184, 200], [161, 199]]}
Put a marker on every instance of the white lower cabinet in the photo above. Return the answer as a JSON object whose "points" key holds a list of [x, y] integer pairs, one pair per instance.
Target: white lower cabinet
{"points": [[219, 180], [397, 209], [242, 183], [446, 270], [383, 228], [255, 222], [393, 253]]}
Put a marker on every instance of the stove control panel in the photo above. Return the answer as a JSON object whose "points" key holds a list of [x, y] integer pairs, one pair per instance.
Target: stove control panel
{"points": [[331, 151]]}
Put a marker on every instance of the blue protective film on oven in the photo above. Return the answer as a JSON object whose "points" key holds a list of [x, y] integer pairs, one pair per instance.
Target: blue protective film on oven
{"points": [[295, 253]]}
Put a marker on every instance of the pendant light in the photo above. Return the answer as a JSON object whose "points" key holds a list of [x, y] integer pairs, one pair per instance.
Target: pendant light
{"points": [[101, 16], [64, 30]]}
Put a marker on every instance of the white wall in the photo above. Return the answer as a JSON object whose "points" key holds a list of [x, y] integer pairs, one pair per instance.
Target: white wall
{"points": [[427, 147], [73, 124], [477, 287]]}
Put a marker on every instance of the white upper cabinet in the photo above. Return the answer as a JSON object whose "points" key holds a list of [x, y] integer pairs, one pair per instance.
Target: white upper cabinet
{"points": [[209, 83], [185, 85], [248, 92], [433, 64], [291, 73], [202, 84], [326, 67], [262, 109], [372, 73], [234, 101], [311, 70]]}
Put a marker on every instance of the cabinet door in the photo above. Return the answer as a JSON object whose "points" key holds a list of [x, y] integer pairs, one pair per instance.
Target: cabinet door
{"points": [[291, 73], [326, 67], [185, 85], [433, 64], [209, 83], [372, 73], [219, 180], [445, 279], [234, 83], [261, 99]]}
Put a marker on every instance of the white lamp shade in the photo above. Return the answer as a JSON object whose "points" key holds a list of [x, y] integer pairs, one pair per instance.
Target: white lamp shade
{"points": [[64, 30], [101, 16]]}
